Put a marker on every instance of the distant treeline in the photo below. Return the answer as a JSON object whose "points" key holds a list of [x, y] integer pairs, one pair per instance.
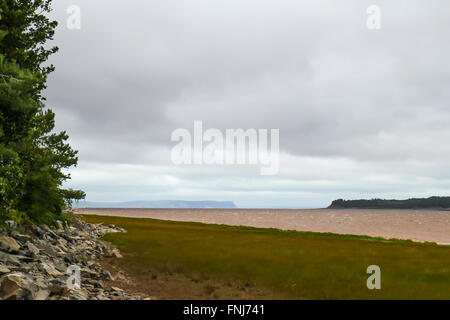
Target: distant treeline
{"points": [[415, 203]]}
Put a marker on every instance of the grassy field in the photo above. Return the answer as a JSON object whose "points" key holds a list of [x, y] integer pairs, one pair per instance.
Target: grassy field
{"points": [[291, 264]]}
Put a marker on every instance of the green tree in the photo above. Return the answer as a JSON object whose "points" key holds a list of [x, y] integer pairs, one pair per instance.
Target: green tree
{"points": [[28, 30], [33, 158], [17, 108]]}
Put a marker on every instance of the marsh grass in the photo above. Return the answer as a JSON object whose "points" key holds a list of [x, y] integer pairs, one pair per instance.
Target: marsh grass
{"points": [[299, 265]]}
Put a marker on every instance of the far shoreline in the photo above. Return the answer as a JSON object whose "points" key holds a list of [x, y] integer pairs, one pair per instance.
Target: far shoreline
{"points": [[264, 208]]}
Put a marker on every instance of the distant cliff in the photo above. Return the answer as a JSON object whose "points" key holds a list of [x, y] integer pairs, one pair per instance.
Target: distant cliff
{"points": [[158, 204], [414, 203]]}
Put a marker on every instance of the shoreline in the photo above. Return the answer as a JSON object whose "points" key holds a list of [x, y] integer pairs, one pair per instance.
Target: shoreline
{"points": [[415, 225]]}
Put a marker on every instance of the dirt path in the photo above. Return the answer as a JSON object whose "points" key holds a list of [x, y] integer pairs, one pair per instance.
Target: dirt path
{"points": [[417, 225]]}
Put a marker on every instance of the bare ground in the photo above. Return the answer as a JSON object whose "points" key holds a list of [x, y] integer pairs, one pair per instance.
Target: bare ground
{"points": [[157, 285], [416, 225]]}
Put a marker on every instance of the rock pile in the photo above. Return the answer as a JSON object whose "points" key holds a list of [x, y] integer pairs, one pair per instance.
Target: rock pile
{"points": [[61, 263]]}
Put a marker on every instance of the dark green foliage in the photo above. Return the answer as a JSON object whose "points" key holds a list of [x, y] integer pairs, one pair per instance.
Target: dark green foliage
{"points": [[415, 203], [17, 108], [32, 156], [28, 29]]}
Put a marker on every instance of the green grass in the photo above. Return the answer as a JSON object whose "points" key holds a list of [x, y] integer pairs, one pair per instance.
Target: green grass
{"points": [[301, 265]]}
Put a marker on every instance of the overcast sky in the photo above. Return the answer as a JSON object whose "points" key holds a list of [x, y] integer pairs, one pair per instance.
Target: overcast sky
{"points": [[362, 113]]}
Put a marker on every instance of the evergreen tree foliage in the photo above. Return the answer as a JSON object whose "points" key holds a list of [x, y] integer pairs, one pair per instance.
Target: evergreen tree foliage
{"points": [[33, 158]]}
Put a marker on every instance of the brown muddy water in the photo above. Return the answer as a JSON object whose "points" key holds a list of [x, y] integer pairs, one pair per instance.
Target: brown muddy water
{"points": [[416, 225]]}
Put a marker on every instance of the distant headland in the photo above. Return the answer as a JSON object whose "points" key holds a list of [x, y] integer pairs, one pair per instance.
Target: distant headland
{"points": [[158, 204], [413, 203]]}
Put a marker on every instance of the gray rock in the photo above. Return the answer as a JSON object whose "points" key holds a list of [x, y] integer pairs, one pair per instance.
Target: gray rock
{"points": [[48, 249], [23, 268], [38, 231], [17, 286], [57, 289], [34, 267], [61, 266], [32, 248], [87, 273], [116, 289], [21, 237], [95, 283], [49, 231], [62, 244], [41, 295], [71, 258], [25, 258], [40, 281], [10, 288], [9, 244], [9, 259], [107, 275], [4, 269], [79, 294], [50, 269], [101, 296]]}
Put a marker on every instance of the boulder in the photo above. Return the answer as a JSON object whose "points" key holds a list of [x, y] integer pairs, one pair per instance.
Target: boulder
{"points": [[106, 275], [116, 290], [32, 248], [78, 294], [41, 295], [87, 273], [48, 249], [20, 237], [9, 259], [71, 258], [4, 269], [17, 286], [50, 269], [58, 289], [8, 244], [38, 231]]}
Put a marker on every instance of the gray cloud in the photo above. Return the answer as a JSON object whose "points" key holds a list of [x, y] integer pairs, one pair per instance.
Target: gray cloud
{"points": [[336, 90]]}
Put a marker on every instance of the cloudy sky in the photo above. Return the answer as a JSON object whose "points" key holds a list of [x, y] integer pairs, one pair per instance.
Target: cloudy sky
{"points": [[362, 113]]}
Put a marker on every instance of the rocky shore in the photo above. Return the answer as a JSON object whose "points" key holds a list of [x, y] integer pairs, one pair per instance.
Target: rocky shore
{"points": [[40, 263]]}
